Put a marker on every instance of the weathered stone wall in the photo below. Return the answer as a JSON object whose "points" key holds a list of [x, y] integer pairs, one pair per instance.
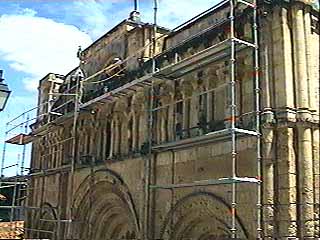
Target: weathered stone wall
{"points": [[109, 198]]}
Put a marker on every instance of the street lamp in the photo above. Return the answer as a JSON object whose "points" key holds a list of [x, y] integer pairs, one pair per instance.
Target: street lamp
{"points": [[4, 92]]}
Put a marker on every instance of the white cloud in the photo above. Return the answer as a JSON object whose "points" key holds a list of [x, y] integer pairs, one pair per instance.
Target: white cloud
{"points": [[94, 16], [172, 12], [36, 45], [98, 16]]}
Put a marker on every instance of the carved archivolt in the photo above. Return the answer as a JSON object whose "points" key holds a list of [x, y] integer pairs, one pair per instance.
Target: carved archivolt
{"points": [[200, 215], [105, 208], [45, 221]]}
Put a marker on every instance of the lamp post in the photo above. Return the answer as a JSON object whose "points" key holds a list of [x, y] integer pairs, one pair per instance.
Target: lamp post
{"points": [[4, 92]]}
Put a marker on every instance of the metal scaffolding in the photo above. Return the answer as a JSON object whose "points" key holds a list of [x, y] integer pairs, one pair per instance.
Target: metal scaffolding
{"points": [[228, 48], [233, 131], [45, 120]]}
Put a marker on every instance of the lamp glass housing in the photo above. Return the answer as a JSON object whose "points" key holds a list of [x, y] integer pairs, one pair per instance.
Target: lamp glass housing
{"points": [[4, 95]]}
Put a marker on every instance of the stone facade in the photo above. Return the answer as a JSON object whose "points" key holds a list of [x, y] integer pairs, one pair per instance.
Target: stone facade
{"points": [[107, 196]]}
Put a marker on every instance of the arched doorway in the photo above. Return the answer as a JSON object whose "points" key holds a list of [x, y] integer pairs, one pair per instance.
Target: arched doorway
{"points": [[200, 216], [104, 208], [45, 223]]}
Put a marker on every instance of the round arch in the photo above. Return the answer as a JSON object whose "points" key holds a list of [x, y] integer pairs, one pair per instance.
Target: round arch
{"points": [[104, 208], [200, 216], [46, 228]]}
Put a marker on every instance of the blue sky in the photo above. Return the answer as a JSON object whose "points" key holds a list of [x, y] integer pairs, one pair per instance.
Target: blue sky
{"points": [[42, 36]]}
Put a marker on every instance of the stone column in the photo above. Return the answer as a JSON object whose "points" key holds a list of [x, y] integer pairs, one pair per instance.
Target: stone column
{"points": [[112, 132], [282, 63], [143, 123], [316, 171], [308, 44], [171, 116], [305, 166], [312, 57], [209, 99], [124, 134], [268, 181], [185, 116], [157, 117], [210, 85], [93, 142], [286, 185], [194, 107], [103, 141], [98, 142], [116, 136], [133, 130], [163, 124], [186, 93], [300, 61]]}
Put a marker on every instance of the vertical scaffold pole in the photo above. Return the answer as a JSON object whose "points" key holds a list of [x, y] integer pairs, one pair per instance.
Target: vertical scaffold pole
{"points": [[74, 157], [233, 119], [24, 147], [3, 153], [135, 5], [257, 110], [14, 194], [148, 163]]}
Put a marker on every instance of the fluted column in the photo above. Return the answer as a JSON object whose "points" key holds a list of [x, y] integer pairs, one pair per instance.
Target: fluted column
{"points": [[305, 166]]}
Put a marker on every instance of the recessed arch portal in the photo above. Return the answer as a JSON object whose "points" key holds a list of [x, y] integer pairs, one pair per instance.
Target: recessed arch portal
{"points": [[104, 208], [45, 221], [200, 216]]}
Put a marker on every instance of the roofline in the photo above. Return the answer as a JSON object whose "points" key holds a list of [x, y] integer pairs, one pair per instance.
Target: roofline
{"points": [[105, 35], [70, 72], [198, 18], [127, 21], [48, 74]]}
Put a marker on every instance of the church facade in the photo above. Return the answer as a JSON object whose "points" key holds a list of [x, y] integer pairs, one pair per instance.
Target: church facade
{"points": [[155, 134]]}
